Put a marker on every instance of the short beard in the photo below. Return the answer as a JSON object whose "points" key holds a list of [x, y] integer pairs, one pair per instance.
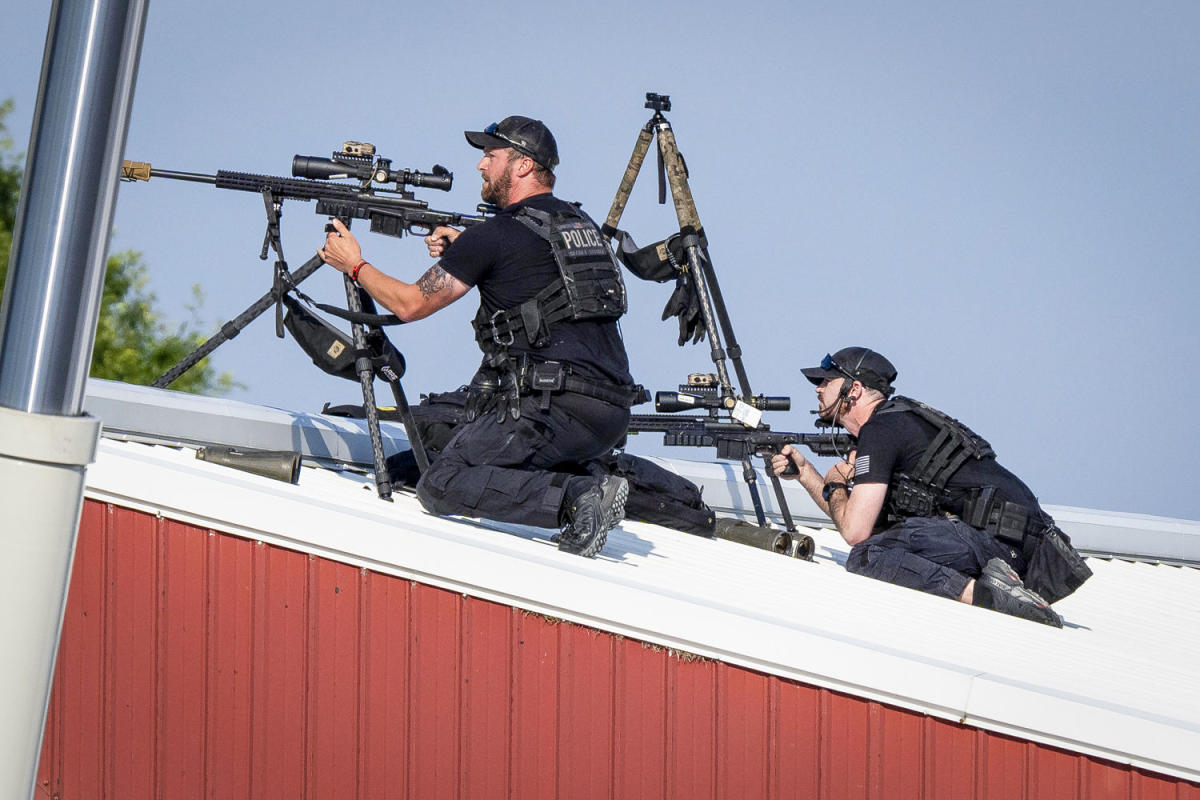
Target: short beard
{"points": [[497, 191]]}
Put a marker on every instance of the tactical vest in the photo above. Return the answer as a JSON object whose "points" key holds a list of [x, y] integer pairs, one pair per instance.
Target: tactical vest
{"points": [[923, 492], [588, 287]]}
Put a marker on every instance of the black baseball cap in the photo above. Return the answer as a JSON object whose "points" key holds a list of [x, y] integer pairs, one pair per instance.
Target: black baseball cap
{"points": [[860, 364], [525, 135]]}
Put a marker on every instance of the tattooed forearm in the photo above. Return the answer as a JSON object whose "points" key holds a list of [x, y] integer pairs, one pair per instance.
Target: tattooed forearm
{"points": [[433, 281]]}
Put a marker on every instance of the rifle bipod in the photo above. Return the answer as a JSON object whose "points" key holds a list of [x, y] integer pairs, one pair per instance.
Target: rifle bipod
{"points": [[368, 361], [697, 267]]}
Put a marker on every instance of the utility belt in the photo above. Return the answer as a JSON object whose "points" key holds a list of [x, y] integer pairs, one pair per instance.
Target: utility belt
{"points": [[1054, 569], [553, 377], [508, 379], [1010, 522]]}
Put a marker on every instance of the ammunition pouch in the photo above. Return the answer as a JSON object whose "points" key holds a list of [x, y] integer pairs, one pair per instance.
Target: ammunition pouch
{"points": [[1010, 522], [911, 499]]}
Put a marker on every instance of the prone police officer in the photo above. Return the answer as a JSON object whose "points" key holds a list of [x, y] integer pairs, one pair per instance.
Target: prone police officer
{"points": [[554, 388], [923, 503]]}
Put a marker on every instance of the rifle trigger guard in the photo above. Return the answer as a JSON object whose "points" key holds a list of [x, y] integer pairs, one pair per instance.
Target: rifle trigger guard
{"points": [[496, 333]]}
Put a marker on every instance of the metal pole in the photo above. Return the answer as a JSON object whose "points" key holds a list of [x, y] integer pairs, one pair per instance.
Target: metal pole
{"points": [[47, 330]]}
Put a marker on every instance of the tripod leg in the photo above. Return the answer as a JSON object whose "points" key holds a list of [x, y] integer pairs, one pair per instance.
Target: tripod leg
{"points": [[410, 426], [366, 378], [752, 484], [681, 195], [689, 225], [640, 149], [731, 346], [234, 327], [712, 302], [783, 506]]}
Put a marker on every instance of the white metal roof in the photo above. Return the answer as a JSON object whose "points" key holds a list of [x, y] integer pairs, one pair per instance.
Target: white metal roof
{"points": [[1117, 682]]}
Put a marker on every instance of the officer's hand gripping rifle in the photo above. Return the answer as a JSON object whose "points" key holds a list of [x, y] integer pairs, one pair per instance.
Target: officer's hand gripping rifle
{"points": [[390, 211], [737, 432]]}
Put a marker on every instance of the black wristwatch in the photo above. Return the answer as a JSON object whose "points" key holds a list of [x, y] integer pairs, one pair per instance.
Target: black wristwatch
{"points": [[832, 487]]}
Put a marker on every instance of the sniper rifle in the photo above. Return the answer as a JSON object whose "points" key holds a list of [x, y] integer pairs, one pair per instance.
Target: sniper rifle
{"points": [[735, 429], [391, 211], [733, 440]]}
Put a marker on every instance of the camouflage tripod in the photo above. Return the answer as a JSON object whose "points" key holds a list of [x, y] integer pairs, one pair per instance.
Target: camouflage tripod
{"points": [[672, 172]]}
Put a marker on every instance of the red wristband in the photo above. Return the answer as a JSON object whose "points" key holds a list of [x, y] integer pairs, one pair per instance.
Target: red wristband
{"points": [[354, 272]]}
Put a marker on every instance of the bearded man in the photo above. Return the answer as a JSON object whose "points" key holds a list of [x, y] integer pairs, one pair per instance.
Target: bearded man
{"points": [[554, 388]]}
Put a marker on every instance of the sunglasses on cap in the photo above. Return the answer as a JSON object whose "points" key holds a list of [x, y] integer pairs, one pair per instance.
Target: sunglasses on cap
{"points": [[494, 130], [828, 362]]}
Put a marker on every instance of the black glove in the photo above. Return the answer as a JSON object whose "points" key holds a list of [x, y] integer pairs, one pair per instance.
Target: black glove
{"points": [[508, 398], [685, 304], [480, 394]]}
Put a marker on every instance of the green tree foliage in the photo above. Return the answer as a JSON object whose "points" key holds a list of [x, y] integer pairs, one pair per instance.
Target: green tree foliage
{"points": [[134, 345], [133, 342], [10, 187]]}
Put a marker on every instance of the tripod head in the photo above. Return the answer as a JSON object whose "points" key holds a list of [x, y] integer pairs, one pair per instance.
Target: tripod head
{"points": [[658, 102]]}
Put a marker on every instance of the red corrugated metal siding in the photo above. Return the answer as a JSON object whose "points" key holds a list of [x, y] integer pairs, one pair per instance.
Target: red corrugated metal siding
{"points": [[195, 664]]}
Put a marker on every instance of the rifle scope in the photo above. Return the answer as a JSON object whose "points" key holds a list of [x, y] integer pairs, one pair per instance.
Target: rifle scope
{"points": [[670, 402], [379, 171]]}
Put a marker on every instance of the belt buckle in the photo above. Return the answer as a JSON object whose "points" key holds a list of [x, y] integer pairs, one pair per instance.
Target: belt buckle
{"points": [[496, 333]]}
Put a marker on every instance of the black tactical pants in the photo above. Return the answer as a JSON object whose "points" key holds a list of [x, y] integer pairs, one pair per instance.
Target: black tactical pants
{"points": [[501, 470], [930, 554]]}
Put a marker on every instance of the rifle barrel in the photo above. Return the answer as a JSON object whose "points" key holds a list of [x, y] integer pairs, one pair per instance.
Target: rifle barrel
{"points": [[197, 177]]}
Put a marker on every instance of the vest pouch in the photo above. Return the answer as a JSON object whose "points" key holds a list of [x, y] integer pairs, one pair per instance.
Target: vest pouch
{"points": [[911, 499], [590, 276]]}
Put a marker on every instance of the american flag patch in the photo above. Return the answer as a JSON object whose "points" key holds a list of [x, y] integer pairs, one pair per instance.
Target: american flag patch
{"points": [[862, 465]]}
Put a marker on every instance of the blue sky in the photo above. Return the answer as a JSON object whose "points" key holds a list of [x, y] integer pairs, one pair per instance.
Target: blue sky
{"points": [[1002, 198]]}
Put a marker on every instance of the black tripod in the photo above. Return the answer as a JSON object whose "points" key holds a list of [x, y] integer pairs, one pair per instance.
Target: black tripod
{"points": [[672, 172], [368, 340]]}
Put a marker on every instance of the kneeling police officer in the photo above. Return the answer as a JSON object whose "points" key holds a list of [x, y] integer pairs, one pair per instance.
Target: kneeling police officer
{"points": [[925, 504], [554, 388]]}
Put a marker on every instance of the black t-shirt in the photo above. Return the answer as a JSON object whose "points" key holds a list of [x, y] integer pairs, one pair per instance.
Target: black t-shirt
{"points": [[510, 264], [893, 442]]}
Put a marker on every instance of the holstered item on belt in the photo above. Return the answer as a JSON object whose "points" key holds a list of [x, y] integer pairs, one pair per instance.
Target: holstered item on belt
{"points": [[546, 377], [1009, 522], [552, 377], [977, 507]]}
